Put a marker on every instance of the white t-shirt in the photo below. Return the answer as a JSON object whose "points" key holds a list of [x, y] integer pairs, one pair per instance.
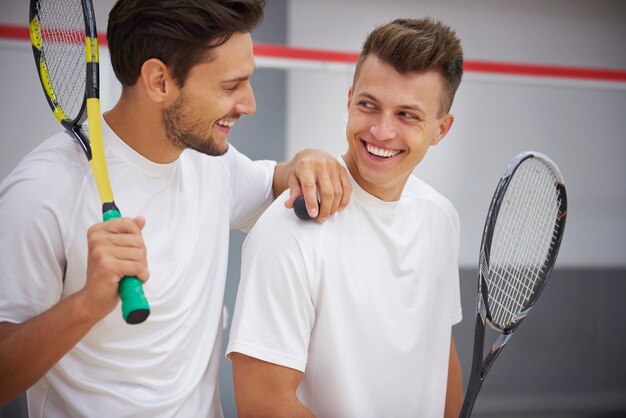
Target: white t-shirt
{"points": [[362, 304], [168, 365]]}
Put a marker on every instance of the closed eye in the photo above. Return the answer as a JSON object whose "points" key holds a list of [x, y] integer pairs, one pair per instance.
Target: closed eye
{"points": [[231, 89], [234, 84]]}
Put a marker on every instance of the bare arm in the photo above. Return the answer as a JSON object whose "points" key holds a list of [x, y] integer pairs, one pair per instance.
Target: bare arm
{"points": [[264, 389], [28, 350], [309, 171], [454, 392]]}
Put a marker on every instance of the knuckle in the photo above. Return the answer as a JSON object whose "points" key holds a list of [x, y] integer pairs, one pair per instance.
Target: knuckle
{"points": [[302, 163], [93, 234], [138, 241], [308, 183], [92, 240], [128, 224], [97, 253], [327, 194], [93, 229], [106, 263], [142, 272]]}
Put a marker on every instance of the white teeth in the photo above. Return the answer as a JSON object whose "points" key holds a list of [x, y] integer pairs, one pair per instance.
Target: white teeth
{"points": [[380, 152], [228, 124]]}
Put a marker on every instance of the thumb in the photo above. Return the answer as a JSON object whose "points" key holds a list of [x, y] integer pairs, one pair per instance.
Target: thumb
{"points": [[140, 221]]}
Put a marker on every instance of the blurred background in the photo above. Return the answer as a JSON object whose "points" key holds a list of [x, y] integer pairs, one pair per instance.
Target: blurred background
{"points": [[567, 359]]}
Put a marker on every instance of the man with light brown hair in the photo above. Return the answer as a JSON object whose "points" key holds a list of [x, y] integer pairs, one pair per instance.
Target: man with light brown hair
{"points": [[353, 318]]}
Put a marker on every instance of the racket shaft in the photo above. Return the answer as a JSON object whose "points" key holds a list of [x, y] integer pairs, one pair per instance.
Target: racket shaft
{"points": [[98, 164], [475, 382], [470, 399], [480, 368]]}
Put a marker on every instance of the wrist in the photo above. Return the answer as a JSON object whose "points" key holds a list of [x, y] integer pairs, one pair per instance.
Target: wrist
{"points": [[280, 181], [85, 310]]}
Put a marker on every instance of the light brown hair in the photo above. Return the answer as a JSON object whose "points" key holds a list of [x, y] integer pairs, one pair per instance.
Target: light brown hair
{"points": [[418, 46]]}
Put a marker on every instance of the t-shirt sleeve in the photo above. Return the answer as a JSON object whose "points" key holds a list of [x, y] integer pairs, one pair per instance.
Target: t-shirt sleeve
{"points": [[251, 188], [31, 271], [274, 313]]}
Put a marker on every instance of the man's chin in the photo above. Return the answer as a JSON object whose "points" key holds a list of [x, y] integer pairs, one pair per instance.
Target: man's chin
{"points": [[213, 150], [224, 149]]}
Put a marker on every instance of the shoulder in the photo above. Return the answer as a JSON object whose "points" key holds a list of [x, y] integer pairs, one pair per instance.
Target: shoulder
{"points": [[56, 164], [233, 160], [418, 191], [279, 229], [240, 169], [47, 180]]}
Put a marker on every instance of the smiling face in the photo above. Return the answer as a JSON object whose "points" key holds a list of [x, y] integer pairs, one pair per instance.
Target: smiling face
{"points": [[392, 120], [214, 96]]}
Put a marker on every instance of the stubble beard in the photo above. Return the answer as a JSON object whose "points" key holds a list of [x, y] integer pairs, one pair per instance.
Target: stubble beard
{"points": [[180, 131]]}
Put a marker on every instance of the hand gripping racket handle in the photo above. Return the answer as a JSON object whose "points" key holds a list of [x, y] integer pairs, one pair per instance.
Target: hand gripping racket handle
{"points": [[135, 307]]}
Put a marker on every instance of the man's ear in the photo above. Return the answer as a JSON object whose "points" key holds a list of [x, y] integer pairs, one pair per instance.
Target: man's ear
{"points": [[157, 80], [349, 96], [445, 123]]}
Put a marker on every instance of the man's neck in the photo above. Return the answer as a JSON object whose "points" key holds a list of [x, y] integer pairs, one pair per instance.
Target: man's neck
{"points": [[387, 193], [138, 123]]}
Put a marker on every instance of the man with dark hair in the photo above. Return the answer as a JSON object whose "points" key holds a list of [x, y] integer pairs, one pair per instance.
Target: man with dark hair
{"points": [[185, 67], [353, 318]]}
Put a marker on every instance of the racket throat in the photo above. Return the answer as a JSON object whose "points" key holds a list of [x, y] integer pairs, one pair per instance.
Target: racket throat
{"points": [[82, 139], [493, 354], [480, 368]]}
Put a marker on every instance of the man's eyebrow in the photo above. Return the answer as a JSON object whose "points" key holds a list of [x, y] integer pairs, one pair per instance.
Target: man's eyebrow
{"points": [[373, 98], [368, 96], [236, 79]]}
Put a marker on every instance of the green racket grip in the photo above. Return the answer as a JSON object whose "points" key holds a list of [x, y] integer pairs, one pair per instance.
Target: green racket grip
{"points": [[135, 307]]}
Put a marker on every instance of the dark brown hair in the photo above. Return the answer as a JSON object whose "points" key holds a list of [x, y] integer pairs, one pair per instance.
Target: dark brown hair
{"points": [[418, 45], [181, 33]]}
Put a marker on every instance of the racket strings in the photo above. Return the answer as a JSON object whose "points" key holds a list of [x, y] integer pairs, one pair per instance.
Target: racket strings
{"points": [[62, 26], [520, 266], [523, 239], [514, 263]]}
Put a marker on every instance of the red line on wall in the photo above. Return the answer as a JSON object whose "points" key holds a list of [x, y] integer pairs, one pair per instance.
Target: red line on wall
{"points": [[22, 33], [534, 70], [279, 51], [16, 32]]}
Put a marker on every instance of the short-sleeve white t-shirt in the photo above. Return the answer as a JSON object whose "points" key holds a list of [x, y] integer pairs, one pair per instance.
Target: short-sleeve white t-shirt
{"points": [[362, 304], [167, 366]]}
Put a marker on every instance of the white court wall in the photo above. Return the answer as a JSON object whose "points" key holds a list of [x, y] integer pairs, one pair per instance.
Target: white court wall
{"points": [[579, 124]]}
